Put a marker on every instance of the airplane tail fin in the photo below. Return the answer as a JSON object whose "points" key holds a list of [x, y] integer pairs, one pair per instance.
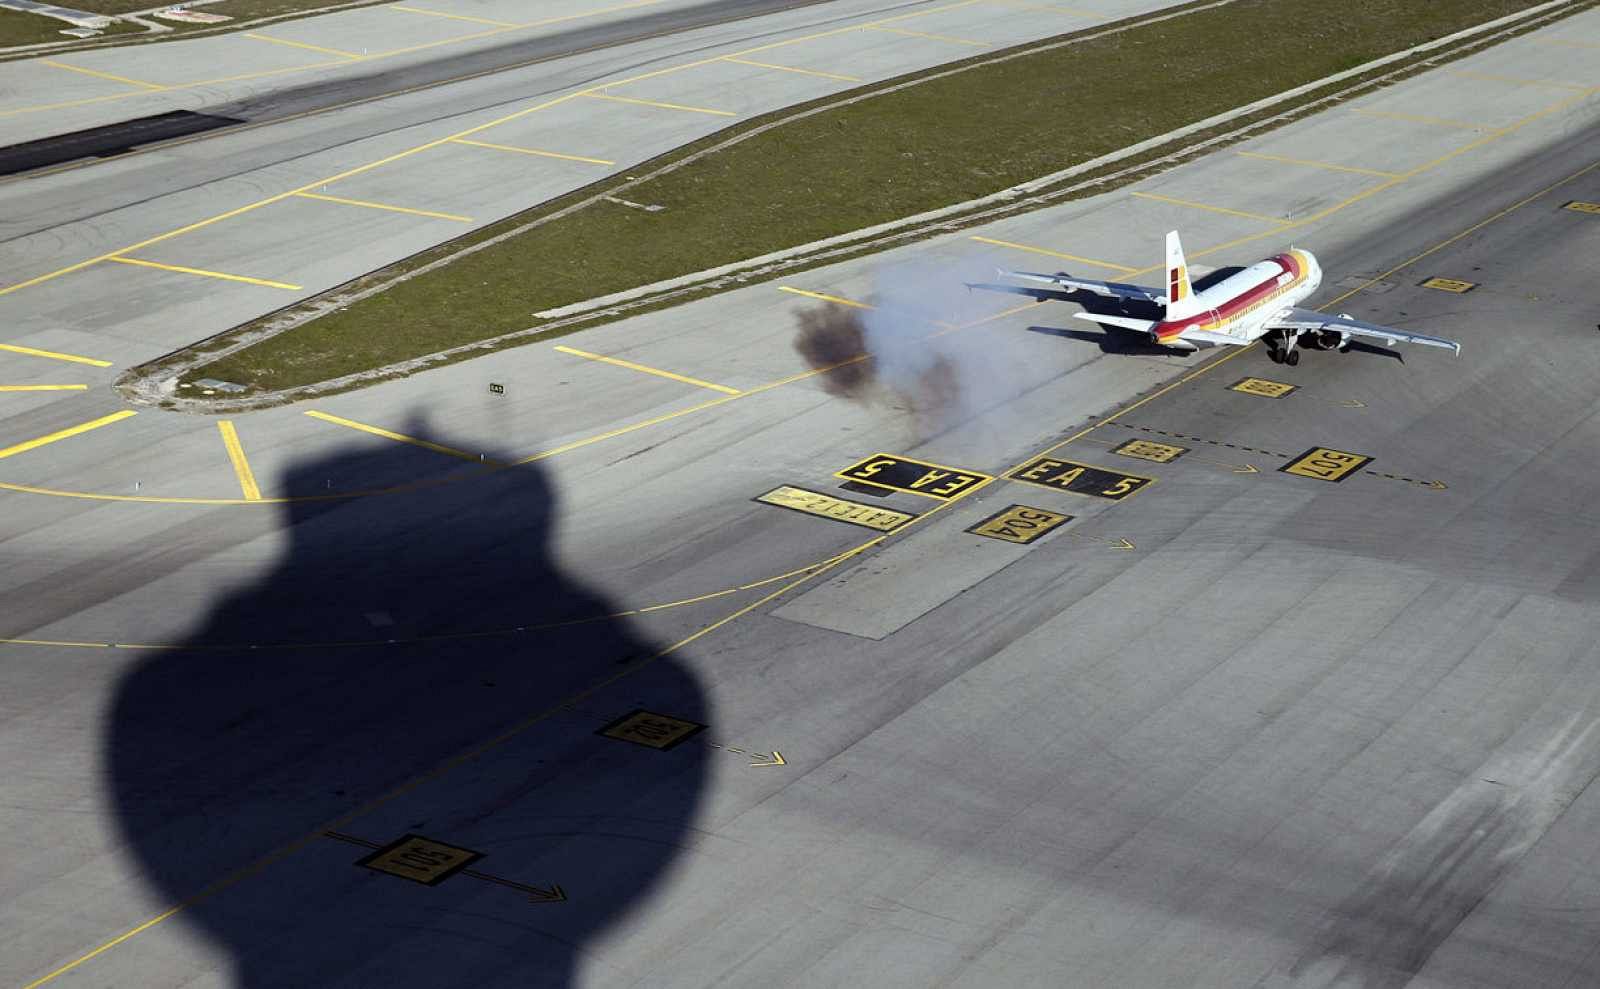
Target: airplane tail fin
{"points": [[1181, 302]]}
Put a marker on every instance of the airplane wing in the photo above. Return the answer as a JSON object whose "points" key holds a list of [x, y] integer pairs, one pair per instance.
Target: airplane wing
{"points": [[1113, 290], [1309, 320]]}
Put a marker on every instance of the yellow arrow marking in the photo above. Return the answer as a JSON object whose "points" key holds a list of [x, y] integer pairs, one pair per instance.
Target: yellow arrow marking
{"points": [[1113, 543]]}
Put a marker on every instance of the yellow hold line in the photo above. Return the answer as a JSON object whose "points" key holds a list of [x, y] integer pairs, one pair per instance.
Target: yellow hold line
{"points": [[1317, 164], [825, 298], [789, 68], [241, 465], [619, 362], [300, 44], [180, 269], [44, 387], [52, 355], [384, 206], [1055, 254], [12, 451], [1225, 211], [532, 151], [658, 103], [101, 75], [403, 438]]}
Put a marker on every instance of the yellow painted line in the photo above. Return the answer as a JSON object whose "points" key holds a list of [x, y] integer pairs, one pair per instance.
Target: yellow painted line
{"points": [[180, 269], [100, 75], [1055, 254], [241, 465], [52, 355], [534, 151], [928, 37], [1516, 80], [1330, 166], [44, 387], [790, 68], [448, 451], [1418, 118], [658, 103], [825, 298], [649, 370], [1048, 8], [384, 206], [300, 44], [455, 17], [12, 451], [1225, 211]]}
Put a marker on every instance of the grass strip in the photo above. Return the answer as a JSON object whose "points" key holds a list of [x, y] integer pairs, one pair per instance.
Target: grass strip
{"points": [[938, 143]]}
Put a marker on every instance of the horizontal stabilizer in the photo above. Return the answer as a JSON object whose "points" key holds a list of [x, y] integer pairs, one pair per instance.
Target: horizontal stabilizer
{"points": [[1125, 322]]}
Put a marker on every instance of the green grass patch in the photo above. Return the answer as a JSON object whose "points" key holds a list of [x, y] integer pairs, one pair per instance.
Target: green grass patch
{"points": [[940, 142], [18, 28]]}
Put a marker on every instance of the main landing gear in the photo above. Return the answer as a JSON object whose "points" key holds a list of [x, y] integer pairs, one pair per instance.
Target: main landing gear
{"points": [[1281, 348]]}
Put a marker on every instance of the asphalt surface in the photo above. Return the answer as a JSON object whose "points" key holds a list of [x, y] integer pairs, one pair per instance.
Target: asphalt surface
{"points": [[1242, 727]]}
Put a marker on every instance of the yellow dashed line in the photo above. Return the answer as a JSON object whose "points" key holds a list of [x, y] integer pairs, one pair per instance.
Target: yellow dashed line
{"points": [[100, 75], [301, 44], [533, 151], [241, 466], [928, 37], [649, 370], [658, 103], [12, 451], [180, 269], [402, 438], [790, 68], [825, 298], [44, 387], [1418, 118], [52, 355], [1056, 254], [1317, 164], [456, 17], [1208, 208], [384, 206]]}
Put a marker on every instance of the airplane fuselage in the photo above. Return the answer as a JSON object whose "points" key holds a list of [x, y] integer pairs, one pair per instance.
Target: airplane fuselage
{"points": [[1241, 304]]}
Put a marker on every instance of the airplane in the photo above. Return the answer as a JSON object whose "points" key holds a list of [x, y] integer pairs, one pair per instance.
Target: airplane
{"points": [[1254, 303]]}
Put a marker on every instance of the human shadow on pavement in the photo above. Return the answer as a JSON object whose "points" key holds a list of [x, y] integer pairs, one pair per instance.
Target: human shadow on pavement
{"points": [[267, 728]]}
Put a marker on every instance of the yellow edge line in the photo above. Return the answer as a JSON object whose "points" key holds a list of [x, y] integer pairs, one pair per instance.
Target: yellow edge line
{"points": [[300, 44], [401, 438], [929, 37], [43, 387], [456, 17], [52, 355], [1316, 164], [790, 68], [100, 75], [241, 465], [658, 103], [619, 362], [533, 151], [1055, 254], [1208, 208], [825, 298], [384, 206], [180, 269], [12, 451]]}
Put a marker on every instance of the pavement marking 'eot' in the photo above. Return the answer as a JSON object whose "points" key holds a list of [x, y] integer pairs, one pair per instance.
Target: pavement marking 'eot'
{"points": [[84, 427], [630, 365]]}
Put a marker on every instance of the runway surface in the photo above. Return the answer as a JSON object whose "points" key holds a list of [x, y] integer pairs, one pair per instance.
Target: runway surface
{"points": [[1242, 726]]}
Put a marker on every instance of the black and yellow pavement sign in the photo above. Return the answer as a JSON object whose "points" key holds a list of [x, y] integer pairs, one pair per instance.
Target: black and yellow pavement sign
{"points": [[656, 731], [1161, 453], [914, 476], [1262, 387], [828, 507], [1455, 285], [1326, 465], [420, 859], [1084, 479], [1578, 206], [1019, 524]]}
